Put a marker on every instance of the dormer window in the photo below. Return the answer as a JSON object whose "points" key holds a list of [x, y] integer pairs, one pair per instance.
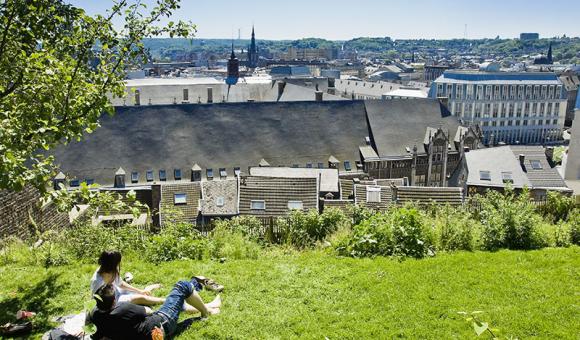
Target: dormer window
{"points": [[209, 174], [223, 173], [74, 183], [134, 177], [237, 171], [177, 174], [149, 176], [162, 175], [484, 175], [89, 181], [347, 166], [320, 165], [309, 165]]}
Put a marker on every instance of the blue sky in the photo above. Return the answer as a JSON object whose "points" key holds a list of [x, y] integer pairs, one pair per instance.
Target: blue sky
{"points": [[346, 19]]}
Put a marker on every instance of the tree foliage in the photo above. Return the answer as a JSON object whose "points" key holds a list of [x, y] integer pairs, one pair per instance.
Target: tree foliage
{"points": [[57, 67]]}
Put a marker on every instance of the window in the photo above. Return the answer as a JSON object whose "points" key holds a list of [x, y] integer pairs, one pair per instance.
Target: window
{"points": [[74, 183], [347, 166], [309, 165], [295, 205], [223, 173], [209, 173], [179, 199], [373, 194], [162, 175], [258, 205], [185, 95], [320, 165], [507, 177], [237, 171], [134, 177], [137, 97], [149, 175], [536, 165], [89, 181], [177, 174], [484, 175], [219, 201]]}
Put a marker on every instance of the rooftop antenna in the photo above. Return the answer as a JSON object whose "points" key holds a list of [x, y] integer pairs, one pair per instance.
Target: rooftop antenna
{"points": [[239, 33], [465, 32]]}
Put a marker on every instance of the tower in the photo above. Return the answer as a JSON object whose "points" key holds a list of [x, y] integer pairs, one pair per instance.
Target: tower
{"points": [[233, 68], [253, 52], [550, 61]]}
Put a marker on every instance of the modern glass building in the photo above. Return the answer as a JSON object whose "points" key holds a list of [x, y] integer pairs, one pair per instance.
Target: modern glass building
{"points": [[510, 107]]}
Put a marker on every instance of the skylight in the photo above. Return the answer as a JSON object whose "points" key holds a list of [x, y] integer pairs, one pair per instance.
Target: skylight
{"points": [[223, 173], [320, 165], [237, 171], [209, 173], [536, 165], [162, 175], [89, 181], [149, 175], [507, 177], [134, 177], [177, 174], [74, 183], [180, 198], [485, 175], [309, 165]]}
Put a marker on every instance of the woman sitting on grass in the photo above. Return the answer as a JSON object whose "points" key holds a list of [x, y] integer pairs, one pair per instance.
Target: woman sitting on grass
{"points": [[109, 273]]}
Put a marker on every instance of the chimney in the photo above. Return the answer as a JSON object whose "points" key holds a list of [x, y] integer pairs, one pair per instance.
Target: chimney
{"points": [[137, 97], [331, 82], [281, 86], [196, 173], [120, 178], [60, 178], [318, 96], [550, 153], [209, 95], [522, 158]]}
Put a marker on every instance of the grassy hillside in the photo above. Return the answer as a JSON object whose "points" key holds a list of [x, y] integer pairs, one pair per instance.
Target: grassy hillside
{"points": [[316, 295]]}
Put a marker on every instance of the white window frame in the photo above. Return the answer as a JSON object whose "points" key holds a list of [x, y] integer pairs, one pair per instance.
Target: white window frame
{"points": [[220, 201], [373, 194], [295, 205], [179, 198], [254, 202]]}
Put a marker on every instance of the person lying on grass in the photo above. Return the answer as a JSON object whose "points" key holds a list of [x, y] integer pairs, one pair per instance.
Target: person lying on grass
{"points": [[124, 320], [109, 273]]}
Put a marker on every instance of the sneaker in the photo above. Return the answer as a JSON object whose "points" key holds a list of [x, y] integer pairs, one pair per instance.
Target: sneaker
{"points": [[11, 329], [209, 284]]}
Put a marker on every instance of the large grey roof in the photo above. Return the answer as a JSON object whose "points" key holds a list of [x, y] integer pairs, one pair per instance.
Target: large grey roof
{"points": [[547, 177], [139, 138], [496, 161], [399, 123], [328, 177]]}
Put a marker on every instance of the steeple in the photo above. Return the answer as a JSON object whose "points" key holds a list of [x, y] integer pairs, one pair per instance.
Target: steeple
{"points": [[253, 51], [233, 68], [550, 61]]}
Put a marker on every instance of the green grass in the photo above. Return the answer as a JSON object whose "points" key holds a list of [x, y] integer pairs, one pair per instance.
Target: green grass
{"points": [[533, 294]]}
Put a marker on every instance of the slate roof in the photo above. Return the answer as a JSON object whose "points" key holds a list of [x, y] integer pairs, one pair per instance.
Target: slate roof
{"points": [[495, 160], [276, 193], [140, 138], [399, 123], [164, 91], [225, 191], [426, 195], [328, 177], [547, 177]]}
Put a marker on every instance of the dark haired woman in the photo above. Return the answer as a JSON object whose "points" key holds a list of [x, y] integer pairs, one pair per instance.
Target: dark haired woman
{"points": [[109, 273]]}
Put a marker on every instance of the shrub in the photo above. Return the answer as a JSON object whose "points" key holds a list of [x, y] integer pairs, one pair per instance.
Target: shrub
{"points": [[249, 226], [176, 241], [574, 222], [558, 207], [509, 221], [455, 229], [226, 243], [399, 232]]}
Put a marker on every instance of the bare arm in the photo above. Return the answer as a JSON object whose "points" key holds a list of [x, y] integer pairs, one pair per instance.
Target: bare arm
{"points": [[124, 285]]}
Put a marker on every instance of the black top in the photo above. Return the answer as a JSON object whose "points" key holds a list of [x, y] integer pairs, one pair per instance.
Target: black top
{"points": [[124, 321]]}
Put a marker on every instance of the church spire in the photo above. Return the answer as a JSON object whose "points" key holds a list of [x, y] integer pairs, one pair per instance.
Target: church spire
{"points": [[550, 61]]}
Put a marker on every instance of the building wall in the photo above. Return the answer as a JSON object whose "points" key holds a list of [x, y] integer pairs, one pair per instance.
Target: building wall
{"points": [[525, 114], [19, 211], [188, 211]]}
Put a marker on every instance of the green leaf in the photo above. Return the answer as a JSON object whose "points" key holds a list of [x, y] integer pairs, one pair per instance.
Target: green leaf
{"points": [[480, 327]]}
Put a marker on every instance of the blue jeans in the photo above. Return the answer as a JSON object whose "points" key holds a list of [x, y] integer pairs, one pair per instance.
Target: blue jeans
{"points": [[173, 304]]}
